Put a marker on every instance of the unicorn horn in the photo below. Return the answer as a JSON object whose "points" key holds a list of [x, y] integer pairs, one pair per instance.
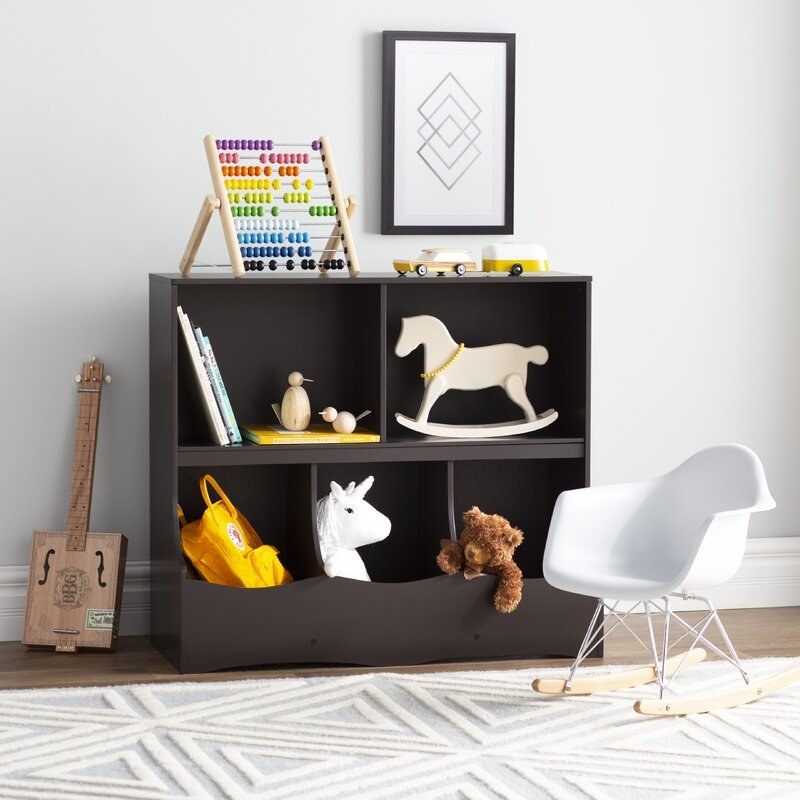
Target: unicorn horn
{"points": [[363, 487]]}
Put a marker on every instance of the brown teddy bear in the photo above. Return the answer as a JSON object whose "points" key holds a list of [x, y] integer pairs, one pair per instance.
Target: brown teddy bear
{"points": [[486, 545]]}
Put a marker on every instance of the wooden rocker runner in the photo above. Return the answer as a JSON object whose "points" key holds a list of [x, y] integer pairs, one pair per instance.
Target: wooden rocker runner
{"points": [[647, 542], [675, 706], [681, 706], [628, 679]]}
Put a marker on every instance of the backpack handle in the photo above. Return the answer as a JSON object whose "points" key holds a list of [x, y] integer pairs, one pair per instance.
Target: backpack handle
{"points": [[204, 483]]}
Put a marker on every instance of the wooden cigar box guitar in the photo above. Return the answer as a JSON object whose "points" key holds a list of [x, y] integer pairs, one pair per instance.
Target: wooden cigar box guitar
{"points": [[75, 583]]}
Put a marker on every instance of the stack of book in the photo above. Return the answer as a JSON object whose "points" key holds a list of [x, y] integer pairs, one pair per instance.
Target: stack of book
{"points": [[216, 403], [313, 434]]}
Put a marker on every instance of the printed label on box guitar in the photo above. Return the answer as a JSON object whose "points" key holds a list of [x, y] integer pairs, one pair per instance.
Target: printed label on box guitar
{"points": [[75, 582]]}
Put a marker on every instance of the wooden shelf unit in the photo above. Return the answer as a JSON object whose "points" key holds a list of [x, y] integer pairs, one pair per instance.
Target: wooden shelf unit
{"points": [[341, 332]]}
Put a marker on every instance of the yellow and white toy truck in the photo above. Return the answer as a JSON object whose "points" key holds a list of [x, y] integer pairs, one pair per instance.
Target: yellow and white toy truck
{"points": [[515, 258]]}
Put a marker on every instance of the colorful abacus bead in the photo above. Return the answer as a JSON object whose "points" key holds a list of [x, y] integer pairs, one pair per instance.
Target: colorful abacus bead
{"points": [[322, 211]]}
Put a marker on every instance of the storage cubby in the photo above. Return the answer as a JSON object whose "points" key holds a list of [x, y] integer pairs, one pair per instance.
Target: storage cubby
{"points": [[341, 332]]}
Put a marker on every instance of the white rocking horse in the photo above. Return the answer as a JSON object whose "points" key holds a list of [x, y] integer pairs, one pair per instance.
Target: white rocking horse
{"points": [[346, 521], [450, 365]]}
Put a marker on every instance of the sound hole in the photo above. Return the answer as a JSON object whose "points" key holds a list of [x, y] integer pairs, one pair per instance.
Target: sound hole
{"points": [[46, 566], [100, 570]]}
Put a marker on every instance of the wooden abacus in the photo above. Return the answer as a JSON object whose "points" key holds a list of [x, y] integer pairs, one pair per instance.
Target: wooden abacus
{"points": [[272, 198]]}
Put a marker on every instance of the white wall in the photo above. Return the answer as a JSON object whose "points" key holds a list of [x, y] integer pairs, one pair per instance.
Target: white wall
{"points": [[656, 150]]}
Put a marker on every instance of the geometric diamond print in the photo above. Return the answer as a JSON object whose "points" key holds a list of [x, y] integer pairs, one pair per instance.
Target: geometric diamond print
{"points": [[448, 131], [469, 734]]}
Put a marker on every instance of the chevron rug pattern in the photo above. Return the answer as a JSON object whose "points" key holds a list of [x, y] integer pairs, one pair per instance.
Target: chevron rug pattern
{"points": [[466, 735]]}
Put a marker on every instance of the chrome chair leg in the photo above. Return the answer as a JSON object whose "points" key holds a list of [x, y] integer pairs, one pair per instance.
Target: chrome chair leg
{"points": [[699, 632], [602, 624], [590, 641]]}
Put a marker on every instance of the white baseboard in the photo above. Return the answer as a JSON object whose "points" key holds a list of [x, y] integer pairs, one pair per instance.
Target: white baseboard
{"points": [[769, 577]]}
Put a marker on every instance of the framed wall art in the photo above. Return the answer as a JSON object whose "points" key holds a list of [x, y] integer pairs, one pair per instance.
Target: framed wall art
{"points": [[448, 133]]}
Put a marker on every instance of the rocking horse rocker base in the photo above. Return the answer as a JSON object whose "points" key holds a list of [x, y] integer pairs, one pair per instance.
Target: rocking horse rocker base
{"points": [[479, 431]]}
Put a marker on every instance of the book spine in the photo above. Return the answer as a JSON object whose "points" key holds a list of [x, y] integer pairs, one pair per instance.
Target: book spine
{"points": [[204, 384], [218, 386]]}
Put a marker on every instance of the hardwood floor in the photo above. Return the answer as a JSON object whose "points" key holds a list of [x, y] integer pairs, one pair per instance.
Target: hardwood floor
{"points": [[756, 633]]}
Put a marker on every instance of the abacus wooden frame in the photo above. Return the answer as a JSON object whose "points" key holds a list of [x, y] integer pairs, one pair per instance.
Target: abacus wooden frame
{"points": [[395, 219]]}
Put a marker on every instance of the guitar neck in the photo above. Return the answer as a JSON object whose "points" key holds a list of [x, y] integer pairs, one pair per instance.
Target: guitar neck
{"points": [[90, 384]]}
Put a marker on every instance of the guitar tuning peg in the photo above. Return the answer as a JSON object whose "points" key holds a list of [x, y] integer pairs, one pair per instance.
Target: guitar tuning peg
{"points": [[78, 379], [107, 379]]}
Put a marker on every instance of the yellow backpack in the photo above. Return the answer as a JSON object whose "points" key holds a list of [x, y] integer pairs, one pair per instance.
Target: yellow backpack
{"points": [[223, 547]]}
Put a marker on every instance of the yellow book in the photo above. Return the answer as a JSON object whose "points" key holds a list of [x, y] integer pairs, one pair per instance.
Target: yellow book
{"points": [[314, 434]]}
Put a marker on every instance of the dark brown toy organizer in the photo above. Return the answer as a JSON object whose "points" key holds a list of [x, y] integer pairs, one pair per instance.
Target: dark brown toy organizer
{"points": [[341, 332]]}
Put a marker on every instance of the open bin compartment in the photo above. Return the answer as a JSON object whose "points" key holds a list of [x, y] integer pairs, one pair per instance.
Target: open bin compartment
{"points": [[275, 498], [413, 495], [521, 490]]}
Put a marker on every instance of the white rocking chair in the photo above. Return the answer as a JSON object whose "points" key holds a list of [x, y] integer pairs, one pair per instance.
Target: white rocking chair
{"points": [[641, 544]]}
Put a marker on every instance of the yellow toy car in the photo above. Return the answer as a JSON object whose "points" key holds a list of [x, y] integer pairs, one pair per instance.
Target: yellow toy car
{"points": [[515, 258], [439, 260]]}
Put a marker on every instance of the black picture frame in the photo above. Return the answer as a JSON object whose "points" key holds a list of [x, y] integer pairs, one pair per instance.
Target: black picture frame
{"points": [[448, 133]]}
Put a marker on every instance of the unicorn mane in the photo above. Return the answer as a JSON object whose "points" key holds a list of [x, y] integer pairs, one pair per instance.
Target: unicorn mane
{"points": [[327, 525]]}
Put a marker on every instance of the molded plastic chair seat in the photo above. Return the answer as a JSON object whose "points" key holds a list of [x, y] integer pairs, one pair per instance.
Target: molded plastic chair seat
{"points": [[677, 534], [683, 531], [611, 583]]}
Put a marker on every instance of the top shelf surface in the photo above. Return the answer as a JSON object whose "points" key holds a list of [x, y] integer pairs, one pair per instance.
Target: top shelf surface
{"points": [[216, 276]]}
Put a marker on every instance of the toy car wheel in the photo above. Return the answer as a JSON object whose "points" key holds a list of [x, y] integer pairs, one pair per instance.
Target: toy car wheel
{"points": [[460, 269], [516, 269], [422, 269]]}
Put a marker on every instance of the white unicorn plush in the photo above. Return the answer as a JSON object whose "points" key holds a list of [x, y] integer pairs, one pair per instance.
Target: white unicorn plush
{"points": [[346, 521]]}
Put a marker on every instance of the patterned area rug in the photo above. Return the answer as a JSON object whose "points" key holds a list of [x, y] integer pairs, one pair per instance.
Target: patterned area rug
{"points": [[434, 735]]}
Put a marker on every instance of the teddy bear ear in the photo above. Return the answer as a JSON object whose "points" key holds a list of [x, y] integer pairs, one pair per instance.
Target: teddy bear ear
{"points": [[514, 537], [472, 514]]}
